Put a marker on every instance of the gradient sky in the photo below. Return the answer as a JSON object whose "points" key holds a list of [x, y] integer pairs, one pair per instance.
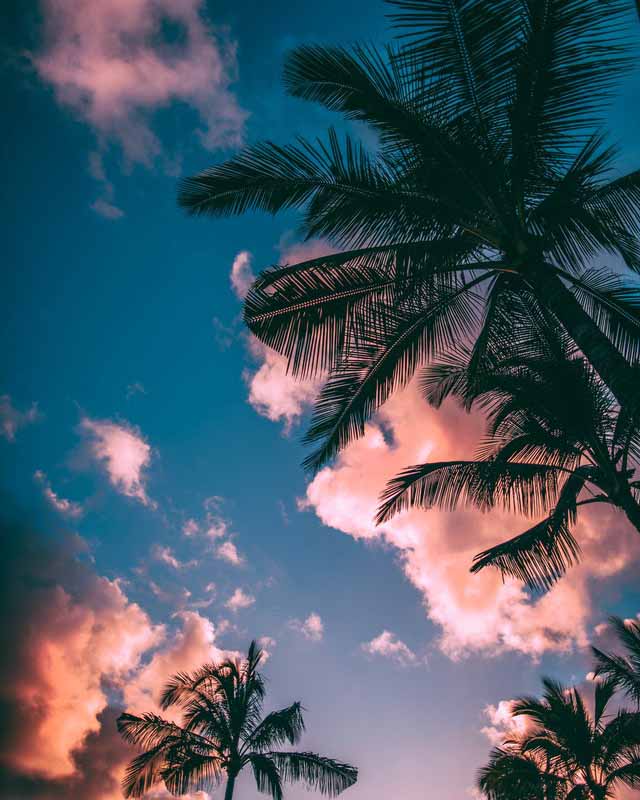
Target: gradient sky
{"points": [[154, 508]]}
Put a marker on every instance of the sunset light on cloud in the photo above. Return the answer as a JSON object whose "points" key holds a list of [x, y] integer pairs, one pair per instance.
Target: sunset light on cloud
{"points": [[168, 373]]}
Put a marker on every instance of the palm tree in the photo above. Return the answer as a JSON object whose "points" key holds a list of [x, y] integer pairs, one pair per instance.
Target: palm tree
{"points": [[566, 753], [622, 670], [487, 181], [555, 442], [224, 731]]}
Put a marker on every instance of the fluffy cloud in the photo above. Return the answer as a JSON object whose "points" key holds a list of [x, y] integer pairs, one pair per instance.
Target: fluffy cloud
{"points": [[273, 392], [475, 612], [389, 646], [239, 600], [76, 652], [68, 508], [124, 453], [502, 724], [312, 628], [228, 552], [115, 63], [12, 419], [241, 275]]}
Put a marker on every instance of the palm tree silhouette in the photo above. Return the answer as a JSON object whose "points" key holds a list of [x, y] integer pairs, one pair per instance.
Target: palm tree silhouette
{"points": [[223, 731], [556, 441], [567, 753], [487, 182], [622, 670]]}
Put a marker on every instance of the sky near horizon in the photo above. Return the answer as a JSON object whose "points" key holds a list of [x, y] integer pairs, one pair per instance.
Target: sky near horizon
{"points": [[154, 511]]}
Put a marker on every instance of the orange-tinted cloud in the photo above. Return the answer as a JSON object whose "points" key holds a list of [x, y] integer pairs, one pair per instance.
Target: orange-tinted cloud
{"points": [[474, 612]]}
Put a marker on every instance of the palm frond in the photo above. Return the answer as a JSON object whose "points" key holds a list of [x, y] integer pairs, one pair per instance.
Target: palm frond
{"points": [[624, 670], [325, 775], [266, 775], [278, 728]]}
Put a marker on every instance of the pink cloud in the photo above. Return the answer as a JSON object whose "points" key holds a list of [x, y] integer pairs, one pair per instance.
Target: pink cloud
{"points": [[502, 724], [72, 640], [106, 209], [62, 505], [241, 275], [228, 552], [114, 65], [478, 613], [389, 646], [123, 452], [166, 556], [12, 419], [239, 600], [273, 392], [312, 628]]}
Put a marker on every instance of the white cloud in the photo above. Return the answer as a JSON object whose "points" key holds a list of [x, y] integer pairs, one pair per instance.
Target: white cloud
{"points": [[166, 556], [389, 646], [123, 452], [190, 527], [312, 628], [11, 419], [239, 600]]}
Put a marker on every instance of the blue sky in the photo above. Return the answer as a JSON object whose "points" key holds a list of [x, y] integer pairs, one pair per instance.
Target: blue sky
{"points": [[131, 321]]}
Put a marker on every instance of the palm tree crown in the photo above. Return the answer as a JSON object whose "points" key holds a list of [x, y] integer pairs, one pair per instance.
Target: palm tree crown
{"points": [[567, 753], [556, 441], [488, 183], [223, 731]]}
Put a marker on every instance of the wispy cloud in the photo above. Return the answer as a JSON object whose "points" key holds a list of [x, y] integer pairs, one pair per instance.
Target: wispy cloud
{"points": [[239, 600], [114, 64], [12, 419], [62, 505], [241, 275]]}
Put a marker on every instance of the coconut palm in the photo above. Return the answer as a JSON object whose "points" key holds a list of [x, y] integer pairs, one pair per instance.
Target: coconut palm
{"points": [[622, 670], [556, 441], [566, 751], [222, 732], [487, 181]]}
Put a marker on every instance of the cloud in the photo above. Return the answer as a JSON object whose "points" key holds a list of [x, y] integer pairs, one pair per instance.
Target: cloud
{"points": [[241, 275], [273, 392], [502, 724], [115, 64], [124, 453], [190, 527], [76, 652], [476, 613], [11, 419], [67, 633], [227, 551], [166, 556], [67, 508], [240, 599], [312, 628], [107, 210], [389, 646]]}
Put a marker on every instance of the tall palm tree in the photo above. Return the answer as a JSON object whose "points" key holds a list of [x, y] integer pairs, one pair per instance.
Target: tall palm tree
{"points": [[623, 670], [223, 731], [556, 441], [567, 753], [487, 181]]}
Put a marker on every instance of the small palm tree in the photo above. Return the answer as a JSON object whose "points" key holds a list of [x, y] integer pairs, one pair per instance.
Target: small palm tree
{"points": [[488, 182], [566, 753], [556, 441], [224, 731], [623, 670]]}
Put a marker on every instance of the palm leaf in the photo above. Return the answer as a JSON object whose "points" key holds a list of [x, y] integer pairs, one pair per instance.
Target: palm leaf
{"points": [[325, 775]]}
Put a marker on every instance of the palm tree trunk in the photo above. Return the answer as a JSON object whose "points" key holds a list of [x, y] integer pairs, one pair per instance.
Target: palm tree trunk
{"points": [[228, 792], [606, 359]]}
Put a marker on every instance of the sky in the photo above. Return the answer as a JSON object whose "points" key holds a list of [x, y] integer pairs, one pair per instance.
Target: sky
{"points": [[154, 512]]}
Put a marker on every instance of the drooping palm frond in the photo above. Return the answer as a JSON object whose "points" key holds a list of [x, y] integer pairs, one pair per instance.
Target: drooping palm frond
{"points": [[325, 775], [624, 669], [277, 728], [267, 775]]}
